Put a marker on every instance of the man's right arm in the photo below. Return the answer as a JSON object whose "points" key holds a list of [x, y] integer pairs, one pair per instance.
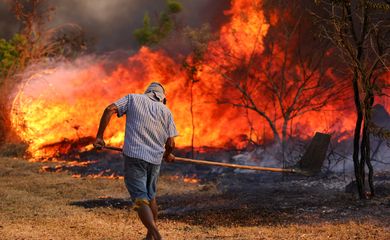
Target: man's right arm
{"points": [[169, 146], [105, 119]]}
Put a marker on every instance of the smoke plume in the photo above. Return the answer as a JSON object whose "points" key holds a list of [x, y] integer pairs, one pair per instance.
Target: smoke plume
{"points": [[110, 24]]}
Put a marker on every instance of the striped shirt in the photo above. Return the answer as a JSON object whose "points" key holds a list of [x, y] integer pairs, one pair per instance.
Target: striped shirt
{"points": [[149, 124]]}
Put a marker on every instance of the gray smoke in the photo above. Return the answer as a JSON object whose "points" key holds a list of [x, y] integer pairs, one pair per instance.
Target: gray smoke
{"points": [[110, 23]]}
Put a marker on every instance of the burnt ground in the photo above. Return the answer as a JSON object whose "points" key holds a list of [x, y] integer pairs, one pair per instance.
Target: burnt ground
{"points": [[253, 201], [224, 204], [226, 197]]}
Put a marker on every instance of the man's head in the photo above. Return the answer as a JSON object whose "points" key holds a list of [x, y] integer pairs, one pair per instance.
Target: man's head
{"points": [[156, 91]]}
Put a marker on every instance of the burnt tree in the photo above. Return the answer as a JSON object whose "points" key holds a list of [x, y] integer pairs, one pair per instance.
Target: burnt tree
{"points": [[360, 30], [284, 76]]}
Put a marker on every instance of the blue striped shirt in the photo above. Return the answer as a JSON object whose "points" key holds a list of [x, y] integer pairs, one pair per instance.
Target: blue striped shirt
{"points": [[149, 124]]}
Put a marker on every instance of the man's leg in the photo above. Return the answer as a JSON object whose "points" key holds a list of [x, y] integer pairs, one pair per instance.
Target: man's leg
{"points": [[153, 206], [136, 178], [146, 215], [151, 185]]}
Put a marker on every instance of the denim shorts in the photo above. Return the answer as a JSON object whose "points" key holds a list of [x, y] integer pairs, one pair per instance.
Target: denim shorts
{"points": [[141, 180]]}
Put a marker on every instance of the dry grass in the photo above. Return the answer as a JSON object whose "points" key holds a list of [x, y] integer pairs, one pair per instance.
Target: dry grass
{"points": [[36, 205]]}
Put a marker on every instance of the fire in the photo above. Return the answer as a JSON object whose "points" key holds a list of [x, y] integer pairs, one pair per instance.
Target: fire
{"points": [[247, 25], [187, 179], [99, 175], [191, 180], [64, 102], [65, 166]]}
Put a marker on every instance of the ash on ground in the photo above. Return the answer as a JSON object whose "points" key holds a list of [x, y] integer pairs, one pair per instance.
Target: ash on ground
{"points": [[220, 196]]}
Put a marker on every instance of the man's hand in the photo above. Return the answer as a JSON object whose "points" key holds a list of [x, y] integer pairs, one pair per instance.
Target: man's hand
{"points": [[99, 143], [169, 146], [169, 158]]}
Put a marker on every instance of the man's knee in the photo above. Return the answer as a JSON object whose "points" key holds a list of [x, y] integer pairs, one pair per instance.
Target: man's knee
{"points": [[139, 202], [153, 201]]}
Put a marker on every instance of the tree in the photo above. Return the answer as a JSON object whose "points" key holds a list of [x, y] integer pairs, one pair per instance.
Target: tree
{"points": [[10, 53], [152, 34], [360, 30], [34, 43], [198, 40], [282, 77]]}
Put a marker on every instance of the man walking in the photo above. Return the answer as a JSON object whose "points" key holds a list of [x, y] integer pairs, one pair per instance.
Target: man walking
{"points": [[149, 138]]}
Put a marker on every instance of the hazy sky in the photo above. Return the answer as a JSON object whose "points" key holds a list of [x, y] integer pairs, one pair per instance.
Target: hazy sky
{"points": [[111, 22]]}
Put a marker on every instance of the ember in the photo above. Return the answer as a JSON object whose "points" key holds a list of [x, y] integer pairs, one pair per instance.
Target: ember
{"points": [[187, 179], [100, 175], [192, 179]]}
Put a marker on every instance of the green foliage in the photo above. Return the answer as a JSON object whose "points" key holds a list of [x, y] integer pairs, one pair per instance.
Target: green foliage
{"points": [[174, 6], [145, 34], [152, 34], [199, 39], [166, 24], [10, 53]]}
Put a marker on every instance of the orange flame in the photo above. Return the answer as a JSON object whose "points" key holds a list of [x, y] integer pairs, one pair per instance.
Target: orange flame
{"points": [[65, 102], [187, 179], [190, 180]]}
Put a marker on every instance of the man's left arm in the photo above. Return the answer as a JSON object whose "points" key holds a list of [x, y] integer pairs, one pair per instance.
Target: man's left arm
{"points": [[104, 120]]}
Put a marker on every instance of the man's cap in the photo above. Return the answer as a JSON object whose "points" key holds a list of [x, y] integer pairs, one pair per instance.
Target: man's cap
{"points": [[156, 90]]}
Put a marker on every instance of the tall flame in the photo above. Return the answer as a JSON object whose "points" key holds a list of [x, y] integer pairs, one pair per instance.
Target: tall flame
{"points": [[65, 102]]}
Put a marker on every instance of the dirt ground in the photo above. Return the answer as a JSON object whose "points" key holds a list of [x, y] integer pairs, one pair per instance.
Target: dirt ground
{"points": [[36, 205]]}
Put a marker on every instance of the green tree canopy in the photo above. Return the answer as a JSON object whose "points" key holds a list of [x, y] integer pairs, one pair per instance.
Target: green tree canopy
{"points": [[10, 53], [152, 34]]}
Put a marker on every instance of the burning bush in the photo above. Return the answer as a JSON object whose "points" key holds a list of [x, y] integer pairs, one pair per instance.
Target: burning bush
{"points": [[34, 43]]}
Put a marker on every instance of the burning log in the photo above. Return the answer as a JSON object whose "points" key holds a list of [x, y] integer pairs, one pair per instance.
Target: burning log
{"points": [[309, 165]]}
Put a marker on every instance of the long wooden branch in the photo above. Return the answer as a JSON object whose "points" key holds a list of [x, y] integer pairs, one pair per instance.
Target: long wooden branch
{"points": [[221, 164]]}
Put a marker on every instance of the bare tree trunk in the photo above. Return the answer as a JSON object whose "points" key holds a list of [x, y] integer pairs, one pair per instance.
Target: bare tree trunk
{"points": [[192, 119], [363, 154], [284, 141], [369, 101], [356, 138], [370, 172], [276, 136]]}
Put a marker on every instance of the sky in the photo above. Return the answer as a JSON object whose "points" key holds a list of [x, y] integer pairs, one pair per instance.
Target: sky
{"points": [[110, 23]]}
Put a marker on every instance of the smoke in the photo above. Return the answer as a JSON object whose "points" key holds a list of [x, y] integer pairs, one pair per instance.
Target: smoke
{"points": [[110, 24]]}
